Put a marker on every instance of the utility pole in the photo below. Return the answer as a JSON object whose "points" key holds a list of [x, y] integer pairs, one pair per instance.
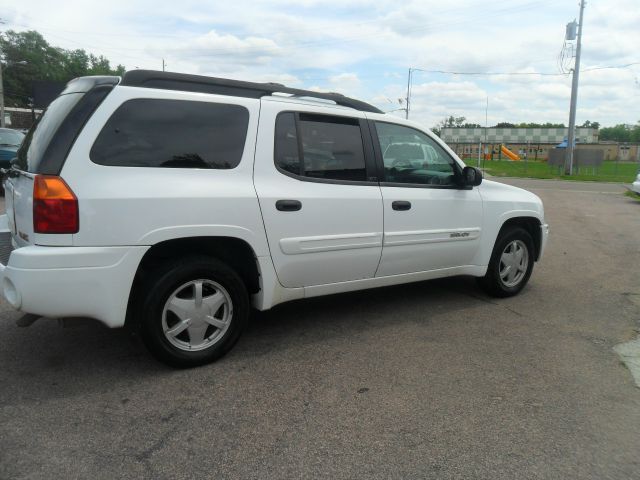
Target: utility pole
{"points": [[571, 137], [163, 64], [2, 125], [408, 93]]}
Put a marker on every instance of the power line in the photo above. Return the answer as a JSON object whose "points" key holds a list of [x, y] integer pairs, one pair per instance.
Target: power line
{"points": [[549, 74], [626, 65]]}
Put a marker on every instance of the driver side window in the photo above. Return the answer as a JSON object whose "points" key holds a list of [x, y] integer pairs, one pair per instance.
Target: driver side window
{"points": [[410, 156]]}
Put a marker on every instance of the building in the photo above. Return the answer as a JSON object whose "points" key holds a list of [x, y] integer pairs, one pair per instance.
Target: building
{"points": [[20, 118], [533, 143], [521, 136]]}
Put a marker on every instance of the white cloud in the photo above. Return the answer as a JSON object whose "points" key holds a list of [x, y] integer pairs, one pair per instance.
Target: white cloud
{"points": [[364, 49]]}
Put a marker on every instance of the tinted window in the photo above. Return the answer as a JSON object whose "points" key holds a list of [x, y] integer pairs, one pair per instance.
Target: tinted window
{"points": [[37, 140], [286, 144], [411, 156], [331, 147], [173, 134]]}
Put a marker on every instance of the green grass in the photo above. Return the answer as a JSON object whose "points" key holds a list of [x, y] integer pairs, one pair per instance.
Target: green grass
{"points": [[608, 171], [632, 195]]}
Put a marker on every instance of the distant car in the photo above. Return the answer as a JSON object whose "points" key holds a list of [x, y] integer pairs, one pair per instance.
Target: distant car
{"points": [[10, 141], [635, 186]]}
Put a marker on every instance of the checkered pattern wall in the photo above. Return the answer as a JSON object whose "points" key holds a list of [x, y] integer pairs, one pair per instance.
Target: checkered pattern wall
{"points": [[516, 135]]}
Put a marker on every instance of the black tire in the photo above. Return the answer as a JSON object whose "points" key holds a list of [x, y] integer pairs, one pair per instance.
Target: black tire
{"points": [[160, 288], [492, 283]]}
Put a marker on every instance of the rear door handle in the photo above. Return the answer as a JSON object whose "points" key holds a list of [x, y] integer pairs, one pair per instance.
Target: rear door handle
{"points": [[288, 205], [401, 205]]}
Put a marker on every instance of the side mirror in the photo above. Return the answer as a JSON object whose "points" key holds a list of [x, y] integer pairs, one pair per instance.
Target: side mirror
{"points": [[471, 176]]}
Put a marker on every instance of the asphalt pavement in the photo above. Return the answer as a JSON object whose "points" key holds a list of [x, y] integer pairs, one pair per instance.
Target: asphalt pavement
{"points": [[428, 380]]}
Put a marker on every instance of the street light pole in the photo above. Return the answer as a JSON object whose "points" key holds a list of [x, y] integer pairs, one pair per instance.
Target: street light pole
{"points": [[571, 137]]}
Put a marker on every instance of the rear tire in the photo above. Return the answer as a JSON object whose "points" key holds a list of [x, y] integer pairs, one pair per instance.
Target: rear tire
{"points": [[511, 263], [193, 311]]}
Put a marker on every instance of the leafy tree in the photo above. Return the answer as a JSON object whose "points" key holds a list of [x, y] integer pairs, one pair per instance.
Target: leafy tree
{"points": [[28, 57], [635, 133], [504, 125], [450, 122], [590, 124], [618, 133]]}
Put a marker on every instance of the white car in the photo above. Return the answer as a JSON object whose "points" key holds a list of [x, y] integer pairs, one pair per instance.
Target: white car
{"points": [[173, 203], [635, 186]]}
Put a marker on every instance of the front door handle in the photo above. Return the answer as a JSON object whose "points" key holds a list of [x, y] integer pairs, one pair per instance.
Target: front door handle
{"points": [[288, 205], [401, 205]]}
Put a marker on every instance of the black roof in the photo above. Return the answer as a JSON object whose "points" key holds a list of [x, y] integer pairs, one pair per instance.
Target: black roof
{"points": [[223, 86]]}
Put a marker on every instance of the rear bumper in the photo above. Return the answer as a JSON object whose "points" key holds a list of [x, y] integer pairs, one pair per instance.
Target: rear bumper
{"points": [[60, 282]]}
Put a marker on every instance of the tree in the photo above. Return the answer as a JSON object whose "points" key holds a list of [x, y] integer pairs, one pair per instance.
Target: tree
{"points": [[635, 133], [450, 122], [589, 124], [618, 133], [28, 57], [504, 125]]}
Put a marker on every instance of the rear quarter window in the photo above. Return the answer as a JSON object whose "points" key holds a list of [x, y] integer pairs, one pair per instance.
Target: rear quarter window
{"points": [[173, 134], [33, 148]]}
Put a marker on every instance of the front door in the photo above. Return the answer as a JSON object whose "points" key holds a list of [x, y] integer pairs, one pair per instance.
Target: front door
{"points": [[430, 223]]}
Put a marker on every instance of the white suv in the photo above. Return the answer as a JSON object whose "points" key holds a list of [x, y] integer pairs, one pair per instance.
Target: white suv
{"points": [[172, 203]]}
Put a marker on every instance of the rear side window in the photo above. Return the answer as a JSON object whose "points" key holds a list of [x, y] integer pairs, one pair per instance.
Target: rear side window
{"points": [[32, 150], [172, 134], [320, 146]]}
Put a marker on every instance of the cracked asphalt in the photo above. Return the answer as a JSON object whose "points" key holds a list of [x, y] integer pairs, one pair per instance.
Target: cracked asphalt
{"points": [[428, 380]]}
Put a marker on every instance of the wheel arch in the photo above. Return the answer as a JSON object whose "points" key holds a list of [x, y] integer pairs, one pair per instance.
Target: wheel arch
{"points": [[531, 224], [235, 252]]}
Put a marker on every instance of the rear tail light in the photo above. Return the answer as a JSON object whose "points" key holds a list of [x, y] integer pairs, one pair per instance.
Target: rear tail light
{"points": [[55, 206]]}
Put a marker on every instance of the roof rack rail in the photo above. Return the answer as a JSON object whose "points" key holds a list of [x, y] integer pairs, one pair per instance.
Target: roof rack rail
{"points": [[223, 86]]}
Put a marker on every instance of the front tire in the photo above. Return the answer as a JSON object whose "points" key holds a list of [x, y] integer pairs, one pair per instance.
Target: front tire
{"points": [[511, 263], [194, 311]]}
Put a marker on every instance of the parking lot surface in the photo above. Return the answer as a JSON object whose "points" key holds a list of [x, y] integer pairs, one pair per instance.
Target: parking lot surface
{"points": [[428, 380]]}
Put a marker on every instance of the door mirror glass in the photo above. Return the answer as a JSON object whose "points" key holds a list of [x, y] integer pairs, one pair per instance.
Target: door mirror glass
{"points": [[471, 176]]}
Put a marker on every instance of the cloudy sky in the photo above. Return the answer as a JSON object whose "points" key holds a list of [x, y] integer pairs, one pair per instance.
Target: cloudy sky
{"points": [[365, 48]]}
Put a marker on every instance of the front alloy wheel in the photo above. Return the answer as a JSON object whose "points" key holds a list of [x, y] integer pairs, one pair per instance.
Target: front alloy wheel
{"points": [[514, 262], [511, 263]]}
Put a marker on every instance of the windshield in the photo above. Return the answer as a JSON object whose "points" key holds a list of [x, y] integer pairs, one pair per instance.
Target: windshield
{"points": [[10, 138]]}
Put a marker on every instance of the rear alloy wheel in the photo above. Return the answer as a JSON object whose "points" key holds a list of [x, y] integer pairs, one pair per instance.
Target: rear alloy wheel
{"points": [[197, 315], [511, 263], [195, 311]]}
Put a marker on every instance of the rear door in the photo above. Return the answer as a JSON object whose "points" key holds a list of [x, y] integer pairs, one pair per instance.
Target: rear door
{"points": [[320, 200]]}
